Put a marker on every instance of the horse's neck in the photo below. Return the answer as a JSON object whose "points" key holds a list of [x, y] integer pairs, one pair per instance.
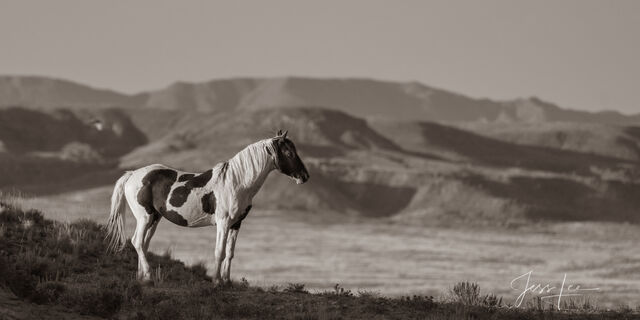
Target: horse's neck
{"points": [[250, 167]]}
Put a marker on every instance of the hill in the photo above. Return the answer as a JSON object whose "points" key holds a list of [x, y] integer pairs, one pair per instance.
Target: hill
{"points": [[25, 130], [371, 147], [358, 97], [422, 172], [57, 146], [47, 92], [408, 171], [411, 172], [52, 270], [620, 141]]}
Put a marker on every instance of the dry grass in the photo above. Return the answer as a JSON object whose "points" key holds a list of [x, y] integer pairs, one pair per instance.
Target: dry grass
{"points": [[43, 264], [276, 248]]}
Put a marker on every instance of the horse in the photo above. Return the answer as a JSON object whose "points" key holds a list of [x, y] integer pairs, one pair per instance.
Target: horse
{"points": [[220, 196]]}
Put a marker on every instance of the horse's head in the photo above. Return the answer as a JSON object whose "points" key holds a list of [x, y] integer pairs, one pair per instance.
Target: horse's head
{"points": [[286, 159]]}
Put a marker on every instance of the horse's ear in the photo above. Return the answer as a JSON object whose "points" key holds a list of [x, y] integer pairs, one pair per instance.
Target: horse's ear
{"points": [[281, 134]]}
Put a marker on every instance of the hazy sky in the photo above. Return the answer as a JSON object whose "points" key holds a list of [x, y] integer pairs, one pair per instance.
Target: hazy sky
{"points": [[579, 54]]}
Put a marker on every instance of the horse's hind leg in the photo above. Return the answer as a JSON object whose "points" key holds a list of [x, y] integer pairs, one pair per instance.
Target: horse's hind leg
{"points": [[143, 223], [150, 231]]}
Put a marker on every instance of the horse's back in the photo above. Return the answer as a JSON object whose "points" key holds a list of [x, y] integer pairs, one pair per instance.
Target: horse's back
{"points": [[177, 195]]}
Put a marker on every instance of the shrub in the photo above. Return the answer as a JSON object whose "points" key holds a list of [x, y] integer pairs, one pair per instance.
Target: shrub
{"points": [[199, 271], [133, 292], [19, 281], [47, 292], [103, 301], [274, 289], [167, 309], [295, 288], [158, 275], [417, 302], [367, 294], [243, 284], [491, 300], [340, 291], [468, 294]]}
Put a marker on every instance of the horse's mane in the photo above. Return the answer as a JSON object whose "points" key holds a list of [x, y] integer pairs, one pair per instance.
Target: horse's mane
{"points": [[247, 165]]}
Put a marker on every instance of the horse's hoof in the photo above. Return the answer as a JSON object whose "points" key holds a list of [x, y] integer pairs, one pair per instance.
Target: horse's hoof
{"points": [[221, 284]]}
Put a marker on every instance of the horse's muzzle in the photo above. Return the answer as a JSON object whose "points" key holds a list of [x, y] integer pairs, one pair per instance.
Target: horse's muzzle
{"points": [[302, 178]]}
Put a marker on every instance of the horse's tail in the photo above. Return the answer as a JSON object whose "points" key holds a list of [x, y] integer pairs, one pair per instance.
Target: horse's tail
{"points": [[115, 226]]}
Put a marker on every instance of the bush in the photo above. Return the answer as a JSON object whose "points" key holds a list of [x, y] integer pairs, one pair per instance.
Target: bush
{"points": [[468, 294], [20, 282], [103, 301], [47, 292], [416, 302], [295, 288], [132, 292], [167, 309], [340, 291]]}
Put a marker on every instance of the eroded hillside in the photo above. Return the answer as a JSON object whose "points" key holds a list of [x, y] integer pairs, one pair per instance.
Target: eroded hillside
{"points": [[371, 147], [54, 148]]}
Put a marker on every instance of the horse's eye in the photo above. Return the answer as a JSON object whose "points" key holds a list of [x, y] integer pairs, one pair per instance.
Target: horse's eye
{"points": [[287, 153]]}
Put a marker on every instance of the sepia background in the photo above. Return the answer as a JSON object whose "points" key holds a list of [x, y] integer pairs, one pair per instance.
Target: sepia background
{"points": [[446, 140]]}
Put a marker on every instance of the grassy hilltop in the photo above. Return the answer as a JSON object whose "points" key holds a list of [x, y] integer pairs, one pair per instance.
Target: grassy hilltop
{"points": [[50, 269]]}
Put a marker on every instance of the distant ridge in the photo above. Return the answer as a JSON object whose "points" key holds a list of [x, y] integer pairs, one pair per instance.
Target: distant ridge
{"points": [[409, 171], [359, 97], [35, 91]]}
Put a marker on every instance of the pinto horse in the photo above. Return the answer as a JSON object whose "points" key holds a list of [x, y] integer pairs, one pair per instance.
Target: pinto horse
{"points": [[220, 196]]}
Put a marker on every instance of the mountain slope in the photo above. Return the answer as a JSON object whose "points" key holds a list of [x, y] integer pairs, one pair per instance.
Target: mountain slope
{"points": [[607, 140], [51, 149], [461, 145], [366, 98], [393, 164], [413, 171], [319, 132], [34, 91], [25, 130], [358, 97]]}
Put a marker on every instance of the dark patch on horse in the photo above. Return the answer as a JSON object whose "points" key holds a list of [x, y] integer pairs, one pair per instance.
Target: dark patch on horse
{"points": [[201, 180], [186, 177], [156, 186], [209, 203], [236, 226], [176, 218], [180, 194]]}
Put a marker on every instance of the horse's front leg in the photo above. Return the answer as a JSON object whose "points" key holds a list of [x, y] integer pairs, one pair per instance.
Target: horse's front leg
{"points": [[221, 241], [231, 245]]}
